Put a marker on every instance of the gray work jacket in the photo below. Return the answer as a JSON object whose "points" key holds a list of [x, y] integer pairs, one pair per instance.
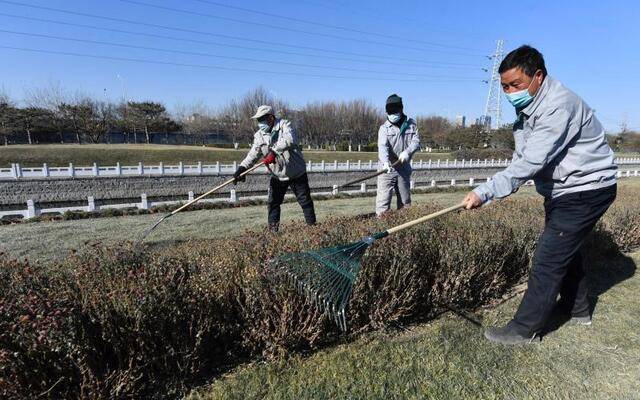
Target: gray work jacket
{"points": [[391, 143], [284, 142], [559, 143]]}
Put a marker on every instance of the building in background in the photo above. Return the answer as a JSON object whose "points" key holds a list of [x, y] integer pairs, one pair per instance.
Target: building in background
{"points": [[461, 121], [484, 122]]}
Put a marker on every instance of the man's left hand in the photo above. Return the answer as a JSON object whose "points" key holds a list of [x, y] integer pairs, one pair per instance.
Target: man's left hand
{"points": [[472, 201], [403, 157]]}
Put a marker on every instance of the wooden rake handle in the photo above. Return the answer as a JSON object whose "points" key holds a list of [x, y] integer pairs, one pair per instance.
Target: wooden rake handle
{"points": [[364, 178], [174, 212], [425, 218], [220, 186]]}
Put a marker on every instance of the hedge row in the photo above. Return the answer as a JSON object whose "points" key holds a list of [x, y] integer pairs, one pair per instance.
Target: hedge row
{"points": [[119, 323]]}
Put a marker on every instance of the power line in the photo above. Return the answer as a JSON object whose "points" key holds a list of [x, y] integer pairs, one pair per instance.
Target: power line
{"points": [[373, 12], [262, 49], [204, 33], [286, 29], [343, 28], [223, 68], [129, 46]]}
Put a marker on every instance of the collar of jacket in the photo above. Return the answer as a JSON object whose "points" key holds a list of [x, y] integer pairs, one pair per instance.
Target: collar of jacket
{"points": [[274, 129], [539, 98], [388, 123]]}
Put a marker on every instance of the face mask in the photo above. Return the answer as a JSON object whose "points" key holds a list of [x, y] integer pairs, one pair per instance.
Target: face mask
{"points": [[394, 118], [264, 126], [520, 98]]}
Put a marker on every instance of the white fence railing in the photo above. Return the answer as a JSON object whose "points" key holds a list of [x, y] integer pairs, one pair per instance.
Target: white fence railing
{"points": [[32, 210], [16, 171]]}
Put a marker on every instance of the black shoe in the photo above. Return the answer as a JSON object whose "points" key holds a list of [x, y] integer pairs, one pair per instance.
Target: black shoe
{"points": [[273, 228], [580, 320], [507, 335], [563, 310]]}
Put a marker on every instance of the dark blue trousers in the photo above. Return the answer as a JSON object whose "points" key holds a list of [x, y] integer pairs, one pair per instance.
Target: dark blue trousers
{"points": [[302, 191], [557, 263]]}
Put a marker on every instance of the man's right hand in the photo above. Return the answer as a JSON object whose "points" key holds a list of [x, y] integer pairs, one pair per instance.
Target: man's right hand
{"points": [[237, 175], [472, 200], [270, 158], [387, 167]]}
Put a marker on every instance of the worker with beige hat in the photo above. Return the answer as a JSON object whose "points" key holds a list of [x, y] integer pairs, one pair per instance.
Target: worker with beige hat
{"points": [[277, 142]]}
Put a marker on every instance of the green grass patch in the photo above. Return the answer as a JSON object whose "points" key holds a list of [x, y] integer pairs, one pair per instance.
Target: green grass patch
{"points": [[129, 154]]}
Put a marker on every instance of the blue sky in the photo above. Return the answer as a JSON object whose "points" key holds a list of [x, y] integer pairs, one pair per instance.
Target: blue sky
{"points": [[591, 46]]}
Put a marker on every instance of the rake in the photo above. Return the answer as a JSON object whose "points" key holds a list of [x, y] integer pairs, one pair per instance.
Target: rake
{"points": [[177, 210], [327, 276], [367, 177]]}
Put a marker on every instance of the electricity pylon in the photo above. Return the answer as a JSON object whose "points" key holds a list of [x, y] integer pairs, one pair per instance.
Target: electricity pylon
{"points": [[492, 118]]}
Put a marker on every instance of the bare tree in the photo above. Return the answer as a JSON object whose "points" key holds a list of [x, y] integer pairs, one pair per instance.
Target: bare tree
{"points": [[197, 120], [358, 119], [148, 115], [78, 117], [318, 124], [233, 121], [31, 119], [8, 117], [4, 96], [126, 121], [51, 98], [101, 121], [624, 123], [464, 138], [236, 115], [434, 130], [629, 141], [328, 124], [89, 119], [502, 138], [47, 97]]}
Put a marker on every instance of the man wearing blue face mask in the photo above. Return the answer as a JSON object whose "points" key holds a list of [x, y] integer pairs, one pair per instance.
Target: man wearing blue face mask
{"points": [[561, 145], [276, 141], [398, 140]]}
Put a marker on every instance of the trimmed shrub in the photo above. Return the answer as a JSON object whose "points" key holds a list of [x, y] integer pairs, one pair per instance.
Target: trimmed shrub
{"points": [[120, 322], [623, 220]]}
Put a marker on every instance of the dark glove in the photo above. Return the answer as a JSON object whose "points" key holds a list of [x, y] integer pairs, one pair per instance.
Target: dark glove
{"points": [[269, 158], [236, 176]]}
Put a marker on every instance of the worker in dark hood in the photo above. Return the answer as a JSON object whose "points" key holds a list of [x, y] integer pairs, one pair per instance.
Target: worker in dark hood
{"points": [[398, 140]]}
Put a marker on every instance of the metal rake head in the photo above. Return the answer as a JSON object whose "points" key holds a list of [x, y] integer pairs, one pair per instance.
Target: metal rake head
{"points": [[150, 229], [326, 276]]}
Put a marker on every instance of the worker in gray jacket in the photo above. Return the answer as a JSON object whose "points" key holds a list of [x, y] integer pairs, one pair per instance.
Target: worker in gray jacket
{"points": [[561, 145], [277, 142], [398, 140]]}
